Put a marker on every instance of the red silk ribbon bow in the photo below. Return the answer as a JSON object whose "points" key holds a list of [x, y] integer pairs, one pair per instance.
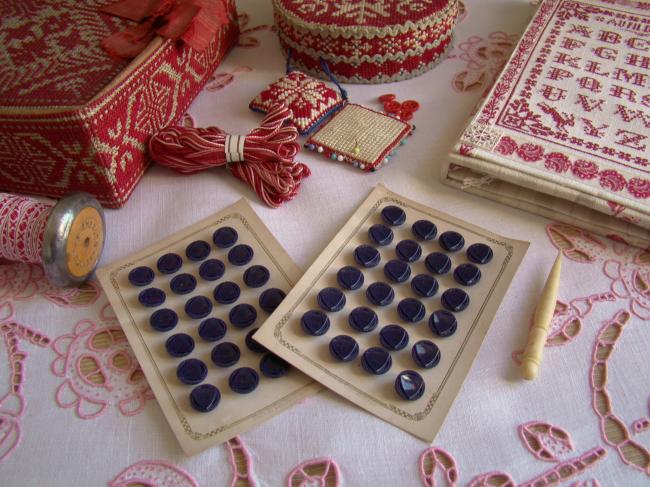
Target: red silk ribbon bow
{"points": [[195, 22]]}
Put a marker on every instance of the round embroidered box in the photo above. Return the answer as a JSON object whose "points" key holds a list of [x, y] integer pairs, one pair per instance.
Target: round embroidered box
{"points": [[370, 41]]}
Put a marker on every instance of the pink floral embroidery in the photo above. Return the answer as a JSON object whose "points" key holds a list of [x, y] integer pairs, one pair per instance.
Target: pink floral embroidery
{"points": [[219, 81], [639, 187], [506, 146], [153, 473], [530, 152], [465, 149], [493, 479], [241, 463], [320, 472], [245, 37], [585, 169], [557, 162], [436, 463], [612, 180], [545, 441], [631, 282], [99, 369]]}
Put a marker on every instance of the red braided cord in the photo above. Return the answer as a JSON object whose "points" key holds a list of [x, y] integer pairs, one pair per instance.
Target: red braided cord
{"points": [[269, 150]]}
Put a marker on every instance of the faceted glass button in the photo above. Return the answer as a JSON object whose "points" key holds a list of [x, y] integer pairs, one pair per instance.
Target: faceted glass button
{"points": [[183, 284], [151, 297], [243, 380], [380, 294], [397, 270], [225, 237], [393, 215], [191, 371], [451, 241], [479, 253], [212, 269], [225, 354], [256, 276], [455, 299], [424, 230], [409, 385], [205, 398], [426, 354], [242, 315], [141, 276], [198, 307], [438, 263], [363, 319], [197, 250], [344, 348], [226, 293], [240, 254], [179, 345], [408, 250], [443, 323], [411, 310], [393, 337], [212, 329], [380, 234], [169, 263], [163, 319], [331, 299], [424, 285], [367, 255], [349, 278], [315, 323], [376, 360]]}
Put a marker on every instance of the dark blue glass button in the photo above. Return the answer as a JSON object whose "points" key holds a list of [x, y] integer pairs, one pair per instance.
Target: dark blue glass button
{"points": [[376, 360], [197, 250], [367, 255], [271, 299], [455, 299], [198, 307], [183, 283], [315, 323], [226, 292], [443, 323], [179, 345], [212, 269], [380, 234], [424, 285], [151, 297], [212, 329], [242, 315], [438, 263], [380, 294], [243, 380], [344, 348], [240, 254], [467, 274], [141, 276], [424, 230], [349, 278], [169, 263], [411, 310], [393, 215], [273, 366], [426, 354], [163, 319], [397, 270], [363, 319], [225, 354], [331, 299], [408, 250], [393, 337], [452, 241], [225, 237], [252, 345], [479, 253], [256, 276], [205, 398], [409, 385], [191, 371]]}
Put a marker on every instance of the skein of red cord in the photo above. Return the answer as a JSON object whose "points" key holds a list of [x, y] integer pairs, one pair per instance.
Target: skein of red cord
{"points": [[262, 159]]}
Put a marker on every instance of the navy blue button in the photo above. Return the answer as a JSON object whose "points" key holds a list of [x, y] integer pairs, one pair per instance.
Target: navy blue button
{"points": [[479, 253], [393, 215], [376, 360], [191, 371], [225, 237], [198, 307], [205, 398], [169, 263], [380, 294], [252, 345], [212, 269], [256, 276], [426, 354], [183, 283], [243, 380], [240, 254], [443, 323], [141, 276], [438, 263], [225, 354], [411, 310], [271, 299], [226, 293], [424, 285], [344, 348], [212, 329], [163, 319], [455, 299], [367, 255], [197, 250], [363, 319], [179, 345], [393, 337], [424, 230], [408, 250], [397, 270], [380, 234], [467, 274], [409, 385], [349, 278], [315, 323], [452, 241], [331, 299], [151, 297], [273, 366], [242, 315]]}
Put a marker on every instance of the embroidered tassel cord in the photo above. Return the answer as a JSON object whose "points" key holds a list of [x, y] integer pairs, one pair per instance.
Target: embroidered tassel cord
{"points": [[263, 159], [22, 227]]}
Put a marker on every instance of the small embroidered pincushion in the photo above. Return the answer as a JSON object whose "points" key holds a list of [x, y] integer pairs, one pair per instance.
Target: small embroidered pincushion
{"points": [[310, 100], [360, 136]]}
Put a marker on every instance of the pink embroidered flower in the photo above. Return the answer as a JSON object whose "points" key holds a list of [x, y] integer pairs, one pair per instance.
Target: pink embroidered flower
{"points": [[639, 187], [545, 441], [530, 152], [585, 169], [632, 282], [465, 149], [317, 472], [153, 473], [557, 162], [612, 180], [506, 146]]}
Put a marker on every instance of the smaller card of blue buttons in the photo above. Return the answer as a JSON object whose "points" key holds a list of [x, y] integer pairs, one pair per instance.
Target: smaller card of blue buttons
{"points": [[191, 371], [467, 274], [197, 250], [252, 345], [344, 348], [243, 380], [273, 366], [424, 230], [397, 270], [256, 276], [363, 319], [380, 234], [163, 319], [225, 354], [242, 315], [393, 337], [411, 310], [349, 278], [408, 250], [271, 299], [393, 215], [455, 299], [451, 241], [179, 345], [443, 323], [198, 307], [225, 237], [479, 253], [376, 360], [426, 354], [205, 398], [331, 299], [169, 263], [315, 323], [409, 385], [380, 294], [240, 254], [226, 293], [212, 329], [151, 297], [367, 255], [141, 276], [183, 284], [212, 269], [424, 285]]}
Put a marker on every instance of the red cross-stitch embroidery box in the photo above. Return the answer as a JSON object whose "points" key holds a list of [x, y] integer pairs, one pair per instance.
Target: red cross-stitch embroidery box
{"points": [[74, 118]]}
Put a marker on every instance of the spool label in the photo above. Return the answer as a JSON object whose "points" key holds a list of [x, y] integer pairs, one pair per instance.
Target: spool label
{"points": [[85, 242]]}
